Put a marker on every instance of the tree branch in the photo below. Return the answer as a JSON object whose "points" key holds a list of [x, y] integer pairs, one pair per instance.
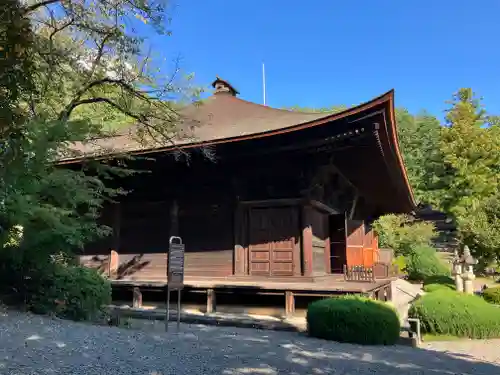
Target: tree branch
{"points": [[100, 52], [35, 6], [67, 112], [141, 118]]}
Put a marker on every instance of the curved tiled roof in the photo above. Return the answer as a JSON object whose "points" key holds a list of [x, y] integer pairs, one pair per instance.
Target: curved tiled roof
{"points": [[224, 118], [221, 116]]}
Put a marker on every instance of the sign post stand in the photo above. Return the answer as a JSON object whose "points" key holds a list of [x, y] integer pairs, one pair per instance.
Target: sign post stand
{"points": [[175, 276]]}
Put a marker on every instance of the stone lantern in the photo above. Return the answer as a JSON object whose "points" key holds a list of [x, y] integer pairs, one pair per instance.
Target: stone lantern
{"points": [[457, 272], [468, 261]]}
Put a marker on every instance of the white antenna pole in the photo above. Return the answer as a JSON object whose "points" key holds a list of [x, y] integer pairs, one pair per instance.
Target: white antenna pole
{"points": [[264, 83]]}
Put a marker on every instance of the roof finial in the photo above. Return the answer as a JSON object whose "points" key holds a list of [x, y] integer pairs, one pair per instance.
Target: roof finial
{"points": [[222, 86]]}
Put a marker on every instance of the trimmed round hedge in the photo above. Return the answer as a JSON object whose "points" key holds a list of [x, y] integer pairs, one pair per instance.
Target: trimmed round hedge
{"points": [[447, 312], [353, 319], [492, 295]]}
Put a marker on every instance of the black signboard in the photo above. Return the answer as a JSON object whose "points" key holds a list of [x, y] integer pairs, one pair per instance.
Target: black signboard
{"points": [[175, 269]]}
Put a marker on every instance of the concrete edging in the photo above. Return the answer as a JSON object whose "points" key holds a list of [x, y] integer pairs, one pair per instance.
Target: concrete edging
{"points": [[118, 312]]}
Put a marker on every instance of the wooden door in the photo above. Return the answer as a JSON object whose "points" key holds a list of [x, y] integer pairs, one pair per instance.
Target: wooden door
{"points": [[272, 238], [369, 248], [337, 243], [355, 236]]}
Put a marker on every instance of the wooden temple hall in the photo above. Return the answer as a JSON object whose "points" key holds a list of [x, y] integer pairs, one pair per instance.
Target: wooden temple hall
{"points": [[283, 204]]}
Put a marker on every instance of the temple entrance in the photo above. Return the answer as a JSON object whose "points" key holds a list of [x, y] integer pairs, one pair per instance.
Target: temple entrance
{"points": [[272, 238], [348, 242]]}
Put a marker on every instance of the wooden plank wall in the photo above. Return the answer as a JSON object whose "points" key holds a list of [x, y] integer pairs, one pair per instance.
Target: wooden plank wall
{"points": [[207, 230], [370, 248], [355, 237], [361, 244], [144, 234]]}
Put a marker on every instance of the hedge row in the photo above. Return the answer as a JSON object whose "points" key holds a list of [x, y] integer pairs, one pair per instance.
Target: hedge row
{"points": [[447, 312]]}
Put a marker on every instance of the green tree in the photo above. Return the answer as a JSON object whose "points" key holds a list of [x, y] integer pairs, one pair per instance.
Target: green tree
{"points": [[419, 142], [469, 178], [403, 234], [72, 67]]}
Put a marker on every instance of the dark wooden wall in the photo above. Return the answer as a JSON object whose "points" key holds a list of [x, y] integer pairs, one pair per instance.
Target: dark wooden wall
{"points": [[207, 231], [207, 193]]}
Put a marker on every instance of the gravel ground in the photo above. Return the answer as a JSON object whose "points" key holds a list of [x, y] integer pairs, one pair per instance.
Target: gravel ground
{"points": [[37, 345]]}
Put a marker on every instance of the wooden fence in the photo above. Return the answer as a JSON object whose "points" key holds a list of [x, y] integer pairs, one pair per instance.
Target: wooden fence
{"points": [[359, 273], [378, 271]]}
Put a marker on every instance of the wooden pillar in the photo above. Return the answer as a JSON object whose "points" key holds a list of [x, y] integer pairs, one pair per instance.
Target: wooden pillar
{"points": [[328, 251], [113, 261], [289, 303], [211, 302], [239, 247], [307, 243], [116, 226], [137, 298], [113, 264]]}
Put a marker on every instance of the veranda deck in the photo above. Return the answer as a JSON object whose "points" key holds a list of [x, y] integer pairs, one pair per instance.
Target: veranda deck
{"points": [[326, 286], [148, 272]]}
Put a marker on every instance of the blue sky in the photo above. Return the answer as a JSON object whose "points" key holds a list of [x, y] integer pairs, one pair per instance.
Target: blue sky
{"points": [[326, 52]]}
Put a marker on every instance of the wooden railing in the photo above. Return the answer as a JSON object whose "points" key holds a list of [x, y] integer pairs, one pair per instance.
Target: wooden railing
{"points": [[358, 273], [378, 271]]}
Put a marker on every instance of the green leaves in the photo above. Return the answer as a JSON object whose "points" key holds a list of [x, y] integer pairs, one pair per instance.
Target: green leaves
{"points": [[447, 312], [470, 146], [423, 262], [419, 138], [78, 76], [456, 168], [402, 233]]}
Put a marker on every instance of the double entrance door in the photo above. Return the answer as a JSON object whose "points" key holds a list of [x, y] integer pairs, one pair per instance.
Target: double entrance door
{"points": [[272, 240]]}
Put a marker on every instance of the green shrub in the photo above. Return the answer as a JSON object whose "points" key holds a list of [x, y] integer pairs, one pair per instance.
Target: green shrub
{"points": [[400, 262], [447, 312], [402, 233], [438, 282], [70, 292], [353, 319], [51, 285], [423, 263], [492, 295]]}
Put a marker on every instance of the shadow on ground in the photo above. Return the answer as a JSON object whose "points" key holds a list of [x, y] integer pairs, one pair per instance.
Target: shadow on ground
{"points": [[54, 346]]}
